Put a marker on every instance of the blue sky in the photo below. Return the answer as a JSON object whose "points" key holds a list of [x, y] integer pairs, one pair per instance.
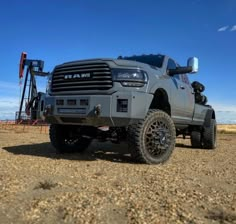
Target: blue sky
{"points": [[62, 30]]}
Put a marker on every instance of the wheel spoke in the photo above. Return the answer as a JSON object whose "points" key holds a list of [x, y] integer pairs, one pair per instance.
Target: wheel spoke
{"points": [[157, 138]]}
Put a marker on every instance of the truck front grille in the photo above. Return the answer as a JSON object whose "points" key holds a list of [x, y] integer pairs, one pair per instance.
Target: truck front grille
{"points": [[76, 77]]}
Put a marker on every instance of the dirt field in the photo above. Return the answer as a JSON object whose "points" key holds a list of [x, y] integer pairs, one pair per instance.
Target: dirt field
{"points": [[103, 185]]}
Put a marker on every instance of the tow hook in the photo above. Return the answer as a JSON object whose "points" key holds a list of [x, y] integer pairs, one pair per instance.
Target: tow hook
{"points": [[97, 110]]}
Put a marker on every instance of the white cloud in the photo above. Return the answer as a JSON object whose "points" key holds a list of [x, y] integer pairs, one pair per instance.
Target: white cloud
{"points": [[223, 28], [8, 107], [233, 28], [10, 96], [8, 102], [226, 117], [224, 107], [9, 89], [227, 28], [225, 113]]}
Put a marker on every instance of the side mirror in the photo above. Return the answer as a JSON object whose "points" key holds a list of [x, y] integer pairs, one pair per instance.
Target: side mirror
{"points": [[193, 63]]}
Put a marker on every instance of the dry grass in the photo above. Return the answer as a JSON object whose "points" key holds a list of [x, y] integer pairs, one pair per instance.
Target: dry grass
{"points": [[46, 185], [42, 129], [24, 128], [226, 128]]}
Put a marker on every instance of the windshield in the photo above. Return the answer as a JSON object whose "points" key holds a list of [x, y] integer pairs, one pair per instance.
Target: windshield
{"points": [[153, 60]]}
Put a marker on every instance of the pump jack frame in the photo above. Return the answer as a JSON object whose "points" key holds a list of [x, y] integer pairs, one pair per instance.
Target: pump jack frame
{"points": [[34, 68]]}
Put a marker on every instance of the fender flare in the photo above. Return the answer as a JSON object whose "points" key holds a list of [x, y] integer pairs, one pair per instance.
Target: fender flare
{"points": [[210, 114]]}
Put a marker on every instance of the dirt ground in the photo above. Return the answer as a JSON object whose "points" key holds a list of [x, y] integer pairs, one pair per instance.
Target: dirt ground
{"points": [[104, 185]]}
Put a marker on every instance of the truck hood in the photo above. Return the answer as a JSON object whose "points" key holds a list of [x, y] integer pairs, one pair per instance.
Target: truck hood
{"points": [[129, 63], [86, 61], [118, 62]]}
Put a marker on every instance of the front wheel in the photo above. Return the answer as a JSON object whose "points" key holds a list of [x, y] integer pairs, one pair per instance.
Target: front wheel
{"points": [[152, 140], [67, 139]]}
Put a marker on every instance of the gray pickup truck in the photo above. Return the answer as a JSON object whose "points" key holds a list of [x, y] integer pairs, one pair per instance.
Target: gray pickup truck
{"points": [[146, 100]]}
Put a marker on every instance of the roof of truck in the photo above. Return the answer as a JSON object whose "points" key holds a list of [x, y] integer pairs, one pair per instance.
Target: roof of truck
{"points": [[151, 59]]}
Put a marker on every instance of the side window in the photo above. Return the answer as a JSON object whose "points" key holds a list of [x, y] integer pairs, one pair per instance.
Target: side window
{"points": [[171, 64]]}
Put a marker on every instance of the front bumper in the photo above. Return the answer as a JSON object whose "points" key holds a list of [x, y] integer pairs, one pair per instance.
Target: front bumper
{"points": [[119, 109]]}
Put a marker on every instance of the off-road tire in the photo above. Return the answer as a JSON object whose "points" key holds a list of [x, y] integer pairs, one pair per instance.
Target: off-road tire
{"points": [[152, 140], [196, 139], [209, 135], [62, 142]]}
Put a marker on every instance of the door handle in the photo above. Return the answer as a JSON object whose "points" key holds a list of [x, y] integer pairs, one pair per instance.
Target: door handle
{"points": [[182, 87]]}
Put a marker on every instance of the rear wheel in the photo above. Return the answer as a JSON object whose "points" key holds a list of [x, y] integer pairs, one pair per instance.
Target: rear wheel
{"points": [[196, 139], [67, 139], [209, 135], [152, 140]]}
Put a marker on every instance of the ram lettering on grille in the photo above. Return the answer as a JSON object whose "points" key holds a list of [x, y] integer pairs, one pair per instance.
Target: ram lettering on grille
{"points": [[75, 77]]}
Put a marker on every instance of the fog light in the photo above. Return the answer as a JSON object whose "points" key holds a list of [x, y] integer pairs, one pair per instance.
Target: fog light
{"points": [[122, 105]]}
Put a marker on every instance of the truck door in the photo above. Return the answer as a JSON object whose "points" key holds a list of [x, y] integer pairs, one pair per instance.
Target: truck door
{"points": [[189, 97], [178, 95]]}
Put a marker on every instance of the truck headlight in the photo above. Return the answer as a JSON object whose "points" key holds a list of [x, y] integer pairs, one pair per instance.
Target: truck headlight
{"points": [[130, 77]]}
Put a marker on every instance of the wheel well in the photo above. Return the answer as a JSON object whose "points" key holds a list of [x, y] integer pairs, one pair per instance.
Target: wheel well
{"points": [[209, 115], [161, 101], [213, 115]]}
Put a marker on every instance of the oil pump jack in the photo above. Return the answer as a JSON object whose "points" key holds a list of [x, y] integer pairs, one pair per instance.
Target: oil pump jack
{"points": [[32, 101]]}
